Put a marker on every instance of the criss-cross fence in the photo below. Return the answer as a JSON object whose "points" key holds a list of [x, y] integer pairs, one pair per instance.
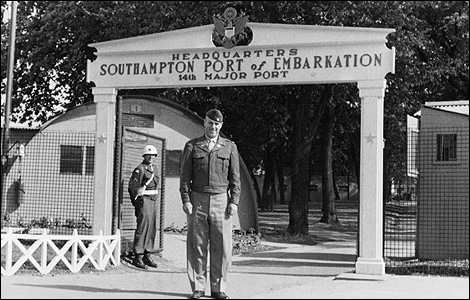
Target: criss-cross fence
{"points": [[74, 251], [426, 222]]}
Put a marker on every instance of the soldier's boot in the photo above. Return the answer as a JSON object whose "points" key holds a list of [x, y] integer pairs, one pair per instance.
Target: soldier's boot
{"points": [[148, 261], [138, 262]]}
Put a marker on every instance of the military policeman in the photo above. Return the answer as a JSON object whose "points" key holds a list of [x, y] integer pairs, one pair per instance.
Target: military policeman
{"points": [[143, 191], [210, 192]]}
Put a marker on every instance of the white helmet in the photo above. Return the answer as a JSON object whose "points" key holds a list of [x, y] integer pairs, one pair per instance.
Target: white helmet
{"points": [[149, 149]]}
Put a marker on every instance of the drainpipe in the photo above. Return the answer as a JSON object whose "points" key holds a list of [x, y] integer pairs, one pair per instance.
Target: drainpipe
{"points": [[117, 189]]}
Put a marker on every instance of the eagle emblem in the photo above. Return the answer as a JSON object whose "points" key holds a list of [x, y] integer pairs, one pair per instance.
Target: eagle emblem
{"points": [[231, 31]]}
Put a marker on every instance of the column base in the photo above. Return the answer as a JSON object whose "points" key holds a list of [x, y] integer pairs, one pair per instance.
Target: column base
{"points": [[370, 266]]}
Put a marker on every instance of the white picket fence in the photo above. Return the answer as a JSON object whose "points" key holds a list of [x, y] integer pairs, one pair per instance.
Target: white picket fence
{"points": [[101, 250]]}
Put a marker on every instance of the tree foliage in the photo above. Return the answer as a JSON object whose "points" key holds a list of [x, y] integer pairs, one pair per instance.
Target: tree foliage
{"points": [[430, 38]]}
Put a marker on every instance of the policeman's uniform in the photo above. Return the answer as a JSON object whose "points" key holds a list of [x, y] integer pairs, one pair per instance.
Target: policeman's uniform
{"points": [[144, 176], [210, 180]]}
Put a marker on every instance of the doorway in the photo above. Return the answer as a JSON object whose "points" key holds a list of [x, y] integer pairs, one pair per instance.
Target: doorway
{"points": [[133, 141]]}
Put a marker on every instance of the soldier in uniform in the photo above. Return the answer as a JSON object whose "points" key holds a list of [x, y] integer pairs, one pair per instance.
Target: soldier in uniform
{"points": [[210, 192], [143, 191]]}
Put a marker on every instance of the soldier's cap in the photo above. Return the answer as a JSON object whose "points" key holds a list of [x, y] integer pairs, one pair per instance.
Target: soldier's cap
{"points": [[215, 115]]}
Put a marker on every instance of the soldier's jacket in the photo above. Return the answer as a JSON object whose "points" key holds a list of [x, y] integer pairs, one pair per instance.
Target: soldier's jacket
{"points": [[140, 176], [216, 171]]}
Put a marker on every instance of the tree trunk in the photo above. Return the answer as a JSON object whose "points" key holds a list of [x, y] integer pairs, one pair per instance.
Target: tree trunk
{"points": [[268, 182], [328, 208], [335, 187], [355, 154], [387, 181], [298, 205], [273, 185], [280, 175], [304, 131], [256, 186]]}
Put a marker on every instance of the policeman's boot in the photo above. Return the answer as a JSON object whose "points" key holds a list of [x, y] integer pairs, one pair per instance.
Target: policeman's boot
{"points": [[138, 262], [148, 261]]}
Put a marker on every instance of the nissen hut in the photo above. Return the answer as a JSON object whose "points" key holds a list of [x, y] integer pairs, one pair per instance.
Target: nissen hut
{"points": [[49, 176]]}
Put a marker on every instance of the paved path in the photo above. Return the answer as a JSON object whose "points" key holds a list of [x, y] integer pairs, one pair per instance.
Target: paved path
{"points": [[291, 271]]}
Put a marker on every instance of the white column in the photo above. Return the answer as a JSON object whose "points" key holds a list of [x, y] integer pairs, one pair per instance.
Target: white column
{"points": [[370, 260], [105, 99]]}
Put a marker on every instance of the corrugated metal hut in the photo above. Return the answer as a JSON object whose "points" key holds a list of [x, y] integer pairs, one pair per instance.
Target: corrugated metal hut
{"points": [[57, 168]]}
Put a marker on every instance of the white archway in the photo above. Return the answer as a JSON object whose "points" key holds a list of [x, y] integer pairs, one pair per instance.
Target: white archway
{"points": [[278, 54]]}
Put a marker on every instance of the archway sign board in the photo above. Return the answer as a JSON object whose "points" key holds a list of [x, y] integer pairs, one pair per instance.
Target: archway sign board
{"points": [[272, 54], [278, 54]]}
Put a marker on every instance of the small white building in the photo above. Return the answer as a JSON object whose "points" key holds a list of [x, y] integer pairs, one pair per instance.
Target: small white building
{"points": [[441, 163]]}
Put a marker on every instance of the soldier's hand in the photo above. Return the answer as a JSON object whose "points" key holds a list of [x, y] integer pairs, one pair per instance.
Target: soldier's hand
{"points": [[138, 202], [188, 208], [140, 191], [232, 209]]}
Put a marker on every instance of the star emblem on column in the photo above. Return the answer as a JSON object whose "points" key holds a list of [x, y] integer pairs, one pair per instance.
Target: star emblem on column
{"points": [[102, 139], [370, 138]]}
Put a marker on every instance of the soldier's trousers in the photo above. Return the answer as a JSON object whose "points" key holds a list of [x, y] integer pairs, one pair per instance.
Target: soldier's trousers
{"points": [[144, 235], [209, 230]]}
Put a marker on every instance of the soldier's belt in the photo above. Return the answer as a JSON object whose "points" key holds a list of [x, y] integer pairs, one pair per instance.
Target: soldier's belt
{"points": [[150, 192]]}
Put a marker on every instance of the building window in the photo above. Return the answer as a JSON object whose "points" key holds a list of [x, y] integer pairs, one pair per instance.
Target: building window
{"points": [[446, 147], [412, 152], [90, 160], [77, 160], [173, 163]]}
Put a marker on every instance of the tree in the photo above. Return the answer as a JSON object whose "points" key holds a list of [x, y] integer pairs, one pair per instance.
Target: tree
{"points": [[306, 120], [328, 207], [52, 46]]}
